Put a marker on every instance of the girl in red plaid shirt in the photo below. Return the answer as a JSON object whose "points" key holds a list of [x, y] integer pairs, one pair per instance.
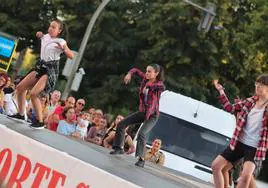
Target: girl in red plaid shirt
{"points": [[250, 138], [149, 94]]}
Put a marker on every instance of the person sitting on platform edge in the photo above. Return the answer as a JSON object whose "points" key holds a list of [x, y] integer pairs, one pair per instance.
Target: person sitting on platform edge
{"points": [[154, 154]]}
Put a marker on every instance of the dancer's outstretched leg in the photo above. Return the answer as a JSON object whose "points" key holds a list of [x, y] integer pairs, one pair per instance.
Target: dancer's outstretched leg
{"points": [[21, 90], [135, 118]]}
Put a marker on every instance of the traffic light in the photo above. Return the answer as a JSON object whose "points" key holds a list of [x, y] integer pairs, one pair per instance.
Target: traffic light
{"points": [[207, 18], [78, 79], [69, 65]]}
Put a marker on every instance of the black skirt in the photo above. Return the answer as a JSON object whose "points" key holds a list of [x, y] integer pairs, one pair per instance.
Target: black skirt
{"points": [[49, 68]]}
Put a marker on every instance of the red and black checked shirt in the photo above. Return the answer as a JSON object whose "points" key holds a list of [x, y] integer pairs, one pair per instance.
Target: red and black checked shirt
{"points": [[244, 107], [149, 103]]}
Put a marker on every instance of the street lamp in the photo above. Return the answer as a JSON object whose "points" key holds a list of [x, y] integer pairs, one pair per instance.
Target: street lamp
{"points": [[208, 17], [82, 48]]}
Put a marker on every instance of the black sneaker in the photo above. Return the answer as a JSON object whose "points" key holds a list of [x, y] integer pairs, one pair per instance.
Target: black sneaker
{"points": [[37, 125], [16, 116], [140, 163], [117, 152]]}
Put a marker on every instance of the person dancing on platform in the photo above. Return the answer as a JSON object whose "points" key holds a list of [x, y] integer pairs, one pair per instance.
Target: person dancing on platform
{"points": [[149, 94], [45, 74], [250, 136]]}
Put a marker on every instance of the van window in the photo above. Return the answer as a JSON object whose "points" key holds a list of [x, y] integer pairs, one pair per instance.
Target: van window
{"points": [[188, 140]]}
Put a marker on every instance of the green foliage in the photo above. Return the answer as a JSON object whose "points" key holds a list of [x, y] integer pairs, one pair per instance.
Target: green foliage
{"points": [[23, 18], [136, 33]]}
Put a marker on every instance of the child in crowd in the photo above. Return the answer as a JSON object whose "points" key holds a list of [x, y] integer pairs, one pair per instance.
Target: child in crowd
{"points": [[67, 126], [82, 124]]}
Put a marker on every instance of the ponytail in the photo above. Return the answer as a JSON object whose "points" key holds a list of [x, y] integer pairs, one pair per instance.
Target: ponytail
{"points": [[160, 70]]}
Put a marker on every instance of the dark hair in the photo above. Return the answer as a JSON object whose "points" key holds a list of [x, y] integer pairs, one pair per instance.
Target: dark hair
{"points": [[63, 28], [65, 111], [160, 70], [4, 75], [113, 125], [263, 79]]}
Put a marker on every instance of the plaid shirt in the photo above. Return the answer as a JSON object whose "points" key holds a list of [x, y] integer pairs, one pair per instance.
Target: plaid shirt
{"points": [[149, 101], [244, 107]]}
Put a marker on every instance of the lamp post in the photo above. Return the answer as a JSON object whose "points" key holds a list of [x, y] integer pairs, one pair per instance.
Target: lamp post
{"points": [[208, 17], [201, 8], [82, 48]]}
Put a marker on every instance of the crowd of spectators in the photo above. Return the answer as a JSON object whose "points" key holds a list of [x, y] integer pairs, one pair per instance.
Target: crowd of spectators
{"points": [[70, 117]]}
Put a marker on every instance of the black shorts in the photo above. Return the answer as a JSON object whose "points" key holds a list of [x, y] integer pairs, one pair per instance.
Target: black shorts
{"points": [[241, 151]]}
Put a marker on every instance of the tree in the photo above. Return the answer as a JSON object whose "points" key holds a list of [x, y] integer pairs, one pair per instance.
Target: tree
{"points": [[22, 18], [136, 34]]}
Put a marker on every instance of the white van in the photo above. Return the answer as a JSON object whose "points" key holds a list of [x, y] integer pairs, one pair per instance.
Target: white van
{"points": [[193, 133]]}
